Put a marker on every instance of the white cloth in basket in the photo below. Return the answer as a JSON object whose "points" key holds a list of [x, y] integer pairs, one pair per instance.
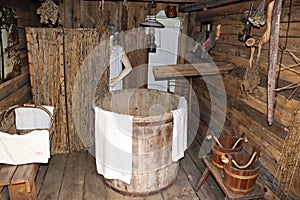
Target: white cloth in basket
{"points": [[113, 145], [179, 141], [33, 118], [33, 147]]}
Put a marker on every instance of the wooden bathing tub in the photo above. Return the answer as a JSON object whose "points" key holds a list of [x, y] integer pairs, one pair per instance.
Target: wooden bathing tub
{"points": [[152, 165]]}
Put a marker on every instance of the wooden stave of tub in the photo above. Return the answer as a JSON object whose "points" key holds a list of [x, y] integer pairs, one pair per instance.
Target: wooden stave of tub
{"points": [[152, 143]]}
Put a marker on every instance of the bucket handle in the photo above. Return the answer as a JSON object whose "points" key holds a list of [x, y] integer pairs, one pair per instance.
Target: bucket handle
{"points": [[227, 160], [209, 137], [243, 138]]}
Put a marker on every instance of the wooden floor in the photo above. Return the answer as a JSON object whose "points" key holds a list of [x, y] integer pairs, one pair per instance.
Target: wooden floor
{"points": [[73, 176]]}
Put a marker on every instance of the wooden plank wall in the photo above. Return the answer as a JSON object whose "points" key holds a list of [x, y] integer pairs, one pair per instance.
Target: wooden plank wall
{"points": [[46, 67], [62, 77], [246, 113], [125, 17], [55, 58], [17, 90], [25, 19]]}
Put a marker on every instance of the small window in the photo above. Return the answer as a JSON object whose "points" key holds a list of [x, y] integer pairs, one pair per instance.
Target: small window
{"points": [[9, 50]]}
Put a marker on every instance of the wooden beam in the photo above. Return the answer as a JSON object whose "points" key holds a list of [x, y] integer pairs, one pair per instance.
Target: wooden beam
{"points": [[20, 4], [273, 50], [190, 70], [204, 4], [158, 1]]}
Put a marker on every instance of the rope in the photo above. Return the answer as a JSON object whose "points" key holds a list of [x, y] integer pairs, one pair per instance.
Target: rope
{"points": [[237, 142], [226, 160]]}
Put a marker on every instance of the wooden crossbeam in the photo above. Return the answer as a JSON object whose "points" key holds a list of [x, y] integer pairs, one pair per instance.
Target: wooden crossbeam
{"points": [[190, 70], [204, 4]]}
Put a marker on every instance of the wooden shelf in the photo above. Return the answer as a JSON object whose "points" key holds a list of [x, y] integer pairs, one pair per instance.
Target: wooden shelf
{"points": [[191, 70], [257, 193]]}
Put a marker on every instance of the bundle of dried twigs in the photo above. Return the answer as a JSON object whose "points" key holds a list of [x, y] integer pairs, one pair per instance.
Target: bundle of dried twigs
{"points": [[289, 161]]}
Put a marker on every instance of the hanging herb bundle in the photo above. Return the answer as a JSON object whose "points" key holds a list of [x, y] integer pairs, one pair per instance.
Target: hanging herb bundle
{"points": [[48, 12]]}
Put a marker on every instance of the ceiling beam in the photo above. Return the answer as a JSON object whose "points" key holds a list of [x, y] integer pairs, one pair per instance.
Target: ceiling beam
{"points": [[157, 1], [204, 4], [20, 4]]}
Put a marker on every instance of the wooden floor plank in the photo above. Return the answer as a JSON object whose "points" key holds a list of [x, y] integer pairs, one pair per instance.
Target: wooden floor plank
{"points": [[52, 182], [4, 193], [94, 187], [155, 197], [73, 179], [211, 184], [132, 198], [193, 175], [40, 177], [74, 176], [181, 189], [113, 195]]}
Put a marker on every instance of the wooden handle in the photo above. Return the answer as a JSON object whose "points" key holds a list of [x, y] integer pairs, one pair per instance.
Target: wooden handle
{"points": [[215, 138], [238, 141], [254, 156]]}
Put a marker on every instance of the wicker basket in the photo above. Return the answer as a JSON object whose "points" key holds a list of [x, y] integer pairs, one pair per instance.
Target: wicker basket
{"points": [[8, 122]]}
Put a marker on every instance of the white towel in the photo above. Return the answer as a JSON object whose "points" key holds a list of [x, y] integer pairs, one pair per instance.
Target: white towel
{"points": [[115, 66], [32, 118], [113, 145], [179, 141], [32, 147]]}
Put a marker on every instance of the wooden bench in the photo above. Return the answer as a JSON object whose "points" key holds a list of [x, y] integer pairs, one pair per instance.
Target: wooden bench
{"points": [[18, 181], [257, 193]]}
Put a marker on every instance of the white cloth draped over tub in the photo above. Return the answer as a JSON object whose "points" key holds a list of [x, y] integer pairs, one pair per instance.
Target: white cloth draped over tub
{"points": [[32, 147], [113, 145], [113, 141], [179, 137]]}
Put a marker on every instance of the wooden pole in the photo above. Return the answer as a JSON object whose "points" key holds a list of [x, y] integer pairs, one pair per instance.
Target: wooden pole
{"points": [[2, 57], [274, 37]]}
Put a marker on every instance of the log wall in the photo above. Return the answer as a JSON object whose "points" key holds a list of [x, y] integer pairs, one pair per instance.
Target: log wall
{"points": [[25, 19], [17, 90], [246, 113]]}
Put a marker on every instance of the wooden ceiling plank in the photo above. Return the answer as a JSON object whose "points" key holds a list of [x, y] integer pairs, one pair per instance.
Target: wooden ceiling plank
{"points": [[203, 4]]}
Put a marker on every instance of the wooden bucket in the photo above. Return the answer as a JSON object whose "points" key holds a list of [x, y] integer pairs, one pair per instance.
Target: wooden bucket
{"points": [[241, 171], [152, 165], [227, 143]]}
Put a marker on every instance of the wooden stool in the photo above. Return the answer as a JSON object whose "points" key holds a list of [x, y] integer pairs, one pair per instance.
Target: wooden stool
{"points": [[20, 180], [257, 193]]}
